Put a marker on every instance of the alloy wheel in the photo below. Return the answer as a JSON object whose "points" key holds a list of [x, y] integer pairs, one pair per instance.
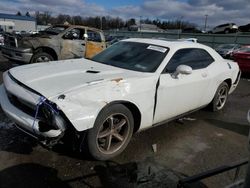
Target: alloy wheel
{"points": [[113, 133], [42, 59], [221, 98]]}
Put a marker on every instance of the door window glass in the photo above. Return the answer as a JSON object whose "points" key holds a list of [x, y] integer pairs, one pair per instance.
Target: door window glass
{"points": [[94, 36], [193, 57], [74, 34]]}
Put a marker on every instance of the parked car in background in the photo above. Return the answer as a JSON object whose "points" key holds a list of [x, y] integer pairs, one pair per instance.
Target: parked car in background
{"points": [[55, 43], [226, 50], [242, 57], [225, 28], [245, 28], [132, 85], [191, 30], [33, 32]]}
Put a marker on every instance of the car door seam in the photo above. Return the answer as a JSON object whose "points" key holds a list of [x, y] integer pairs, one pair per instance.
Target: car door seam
{"points": [[155, 98]]}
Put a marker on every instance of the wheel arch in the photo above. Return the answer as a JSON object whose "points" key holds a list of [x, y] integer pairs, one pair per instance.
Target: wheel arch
{"points": [[48, 50], [229, 82], [133, 109]]}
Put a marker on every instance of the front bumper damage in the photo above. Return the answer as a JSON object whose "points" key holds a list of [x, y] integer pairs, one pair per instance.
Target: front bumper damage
{"points": [[39, 121], [17, 54]]}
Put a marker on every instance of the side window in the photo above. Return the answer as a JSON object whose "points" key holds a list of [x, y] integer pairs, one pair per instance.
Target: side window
{"points": [[94, 36], [193, 57], [74, 34]]}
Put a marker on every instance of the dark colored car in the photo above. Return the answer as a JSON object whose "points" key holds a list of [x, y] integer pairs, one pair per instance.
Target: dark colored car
{"points": [[226, 50], [191, 30], [242, 57], [245, 28]]}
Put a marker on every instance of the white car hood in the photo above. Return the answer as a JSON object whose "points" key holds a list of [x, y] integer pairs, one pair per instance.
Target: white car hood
{"points": [[54, 78]]}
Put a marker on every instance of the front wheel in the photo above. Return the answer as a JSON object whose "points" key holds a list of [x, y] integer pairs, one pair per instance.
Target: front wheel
{"points": [[220, 97], [41, 57], [111, 133]]}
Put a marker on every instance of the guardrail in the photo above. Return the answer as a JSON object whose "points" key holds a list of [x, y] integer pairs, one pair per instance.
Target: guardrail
{"points": [[213, 172], [208, 39]]}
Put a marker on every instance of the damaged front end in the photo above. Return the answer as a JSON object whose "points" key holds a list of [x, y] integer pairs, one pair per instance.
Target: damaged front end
{"points": [[32, 113]]}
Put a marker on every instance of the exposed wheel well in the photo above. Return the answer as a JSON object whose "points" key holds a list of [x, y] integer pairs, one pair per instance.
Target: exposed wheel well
{"points": [[229, 82], [48, 50], [134, 110]]}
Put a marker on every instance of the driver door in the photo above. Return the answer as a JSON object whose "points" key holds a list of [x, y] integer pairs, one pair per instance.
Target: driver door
{"points": [[176, 96], [95, 43], [73, 44]]}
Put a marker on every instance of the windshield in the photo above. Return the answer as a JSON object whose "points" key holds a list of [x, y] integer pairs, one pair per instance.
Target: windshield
{"points": [[133, 56], [55, 30]]}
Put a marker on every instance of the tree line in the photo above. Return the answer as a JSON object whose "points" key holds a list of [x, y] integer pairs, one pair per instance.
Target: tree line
{"points": [[106, 22]]}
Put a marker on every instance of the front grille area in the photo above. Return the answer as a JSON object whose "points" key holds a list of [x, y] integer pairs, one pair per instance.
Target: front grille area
{"points": [[30, 109], [22, 105], [10, 40]]}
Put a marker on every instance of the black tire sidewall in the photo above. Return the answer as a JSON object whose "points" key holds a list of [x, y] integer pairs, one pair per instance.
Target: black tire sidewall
{"points": [[38, 54], [92, 133]]}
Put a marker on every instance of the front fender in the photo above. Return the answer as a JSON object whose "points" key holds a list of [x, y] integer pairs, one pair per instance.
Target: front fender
{"points": [[81, 116]]}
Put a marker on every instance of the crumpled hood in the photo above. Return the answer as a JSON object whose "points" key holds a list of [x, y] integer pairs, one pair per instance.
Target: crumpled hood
{"points": [[54, 78], [34, 42]]}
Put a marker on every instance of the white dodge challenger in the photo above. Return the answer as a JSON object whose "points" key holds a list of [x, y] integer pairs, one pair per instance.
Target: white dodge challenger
{"points": [[133, 85]]}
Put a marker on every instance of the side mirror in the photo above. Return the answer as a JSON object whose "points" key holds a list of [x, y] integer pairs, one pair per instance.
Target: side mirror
{"points": [[182, 69]]}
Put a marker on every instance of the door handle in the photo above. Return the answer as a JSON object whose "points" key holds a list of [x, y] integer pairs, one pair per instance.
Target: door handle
{"points": [[83, 44]]}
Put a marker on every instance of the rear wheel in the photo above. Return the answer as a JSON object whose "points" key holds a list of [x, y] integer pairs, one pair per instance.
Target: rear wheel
{"points": [[41, 57], [111, 133], [220, 97]]}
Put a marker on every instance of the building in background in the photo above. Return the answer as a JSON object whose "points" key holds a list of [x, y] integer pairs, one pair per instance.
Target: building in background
{"points": [[10, 23]]}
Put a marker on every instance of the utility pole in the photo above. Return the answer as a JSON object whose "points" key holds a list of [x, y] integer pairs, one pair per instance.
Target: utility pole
{"points": [[140, 23], [180, 30], [101, 22], [205, 28]]}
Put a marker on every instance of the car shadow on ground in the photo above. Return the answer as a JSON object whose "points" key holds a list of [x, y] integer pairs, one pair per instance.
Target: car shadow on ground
{"points": [[237, 128], [144, 174], [30, 175], [12, 140], [6, 65]]}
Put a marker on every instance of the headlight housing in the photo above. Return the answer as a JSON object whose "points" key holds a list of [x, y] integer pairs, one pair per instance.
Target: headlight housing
{"points": [[50, 117]]}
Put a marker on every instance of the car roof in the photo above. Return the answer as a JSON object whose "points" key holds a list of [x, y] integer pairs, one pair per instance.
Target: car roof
{"points": [[168, 43]]}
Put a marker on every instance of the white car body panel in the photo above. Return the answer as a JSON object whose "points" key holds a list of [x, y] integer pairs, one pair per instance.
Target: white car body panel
{"points": [[86, 94]]}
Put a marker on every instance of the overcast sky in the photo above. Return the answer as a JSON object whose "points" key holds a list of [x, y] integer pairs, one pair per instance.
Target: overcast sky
{"points": [[218, 11]]}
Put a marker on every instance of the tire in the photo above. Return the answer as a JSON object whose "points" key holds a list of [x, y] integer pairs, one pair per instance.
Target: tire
{"points": [[220, 97], [41, 57], [227, 31], [111, 133]]}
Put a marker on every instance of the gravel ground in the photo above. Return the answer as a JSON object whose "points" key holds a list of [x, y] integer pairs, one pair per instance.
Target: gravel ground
{"points": [[201, 141]]}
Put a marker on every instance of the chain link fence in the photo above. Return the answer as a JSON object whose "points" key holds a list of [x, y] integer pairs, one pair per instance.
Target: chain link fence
{"points": [[211, 40]]}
